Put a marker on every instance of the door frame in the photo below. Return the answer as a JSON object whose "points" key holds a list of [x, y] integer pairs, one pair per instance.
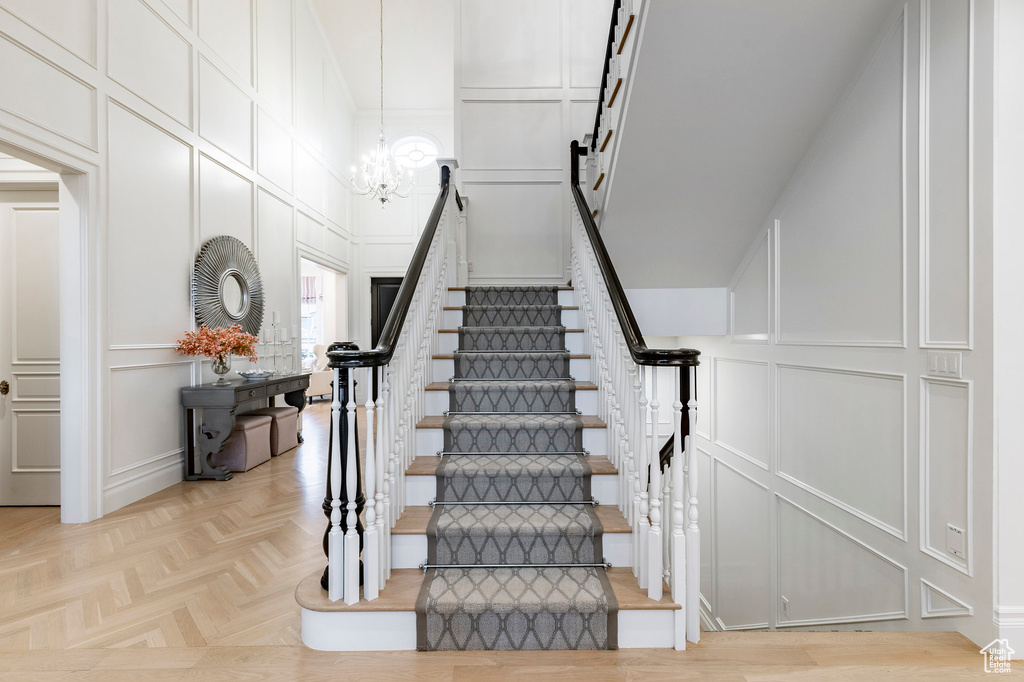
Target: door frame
{"points": [[81, 337]]}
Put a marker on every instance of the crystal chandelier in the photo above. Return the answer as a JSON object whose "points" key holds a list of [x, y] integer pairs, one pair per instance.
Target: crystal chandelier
{"points": [[381, 179]]}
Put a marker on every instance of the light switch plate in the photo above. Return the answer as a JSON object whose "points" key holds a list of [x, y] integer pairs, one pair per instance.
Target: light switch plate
{"points": [[955, 540], [949, 364]]}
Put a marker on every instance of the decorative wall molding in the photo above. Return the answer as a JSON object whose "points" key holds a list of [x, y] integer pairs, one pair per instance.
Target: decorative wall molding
{"points": [[932, 598], [894, 615], [898, 532], [966, 565], [927, 340], [17, 413], [716, 411], [16, 380]]}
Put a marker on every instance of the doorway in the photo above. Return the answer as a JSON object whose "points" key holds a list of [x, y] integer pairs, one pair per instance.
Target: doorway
{"points": [[383, 293], [324, 308], [30, 376]]}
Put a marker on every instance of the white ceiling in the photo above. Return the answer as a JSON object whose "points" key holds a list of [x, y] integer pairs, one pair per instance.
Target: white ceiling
{"points": [[727, 98], [419, 58]]}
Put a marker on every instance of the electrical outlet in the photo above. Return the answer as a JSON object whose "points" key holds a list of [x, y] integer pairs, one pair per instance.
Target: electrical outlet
{"points": [[955, 540], [469, 267], [785, 607]]}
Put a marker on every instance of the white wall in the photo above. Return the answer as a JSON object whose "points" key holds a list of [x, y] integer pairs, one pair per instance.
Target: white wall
{"points": [[191, 119], [526, 81], [831, 460]]}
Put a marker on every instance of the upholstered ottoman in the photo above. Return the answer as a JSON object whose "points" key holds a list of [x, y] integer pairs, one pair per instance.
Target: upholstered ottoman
{"points": [[284, 430], [248, 445]]}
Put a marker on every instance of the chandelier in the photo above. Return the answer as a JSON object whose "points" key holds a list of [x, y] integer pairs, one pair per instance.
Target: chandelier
{"points": [[381, 179]]}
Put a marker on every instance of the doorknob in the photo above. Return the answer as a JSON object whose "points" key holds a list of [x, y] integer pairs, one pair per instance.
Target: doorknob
{"points": [[4, 387]]}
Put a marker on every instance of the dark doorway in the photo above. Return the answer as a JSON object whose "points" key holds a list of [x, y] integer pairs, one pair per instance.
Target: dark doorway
{"points": [[383, 292]]}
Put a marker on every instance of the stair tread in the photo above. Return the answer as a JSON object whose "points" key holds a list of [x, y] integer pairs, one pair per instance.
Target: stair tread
{"points": [[490, 519], [560, 288], [437, 422], [476, 305], [426, 465], [503, 590], [403, 588], [446, 385], [414, 520], [456, 331], [451, 356]]}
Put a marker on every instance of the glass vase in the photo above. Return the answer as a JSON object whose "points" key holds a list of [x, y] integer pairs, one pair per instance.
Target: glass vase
{"points": [[221, 366]]}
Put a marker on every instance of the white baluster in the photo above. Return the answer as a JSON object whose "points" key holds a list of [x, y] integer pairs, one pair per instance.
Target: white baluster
{"points": [[692, 529], [351, 518], [371, 546], [654, 547], [678, 584], [384, 548], [639, 546], [335, 539]]}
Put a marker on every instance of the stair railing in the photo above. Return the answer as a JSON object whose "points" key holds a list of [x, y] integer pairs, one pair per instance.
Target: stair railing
{"points": [[401, 362], [661, 510]]}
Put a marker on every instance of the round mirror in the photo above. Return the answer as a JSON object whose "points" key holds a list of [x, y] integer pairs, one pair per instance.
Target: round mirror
{"points": [[226, 286], [233, 294]]}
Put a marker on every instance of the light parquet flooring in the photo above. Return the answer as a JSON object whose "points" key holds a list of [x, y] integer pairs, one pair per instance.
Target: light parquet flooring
{"points": [[197, 582]]}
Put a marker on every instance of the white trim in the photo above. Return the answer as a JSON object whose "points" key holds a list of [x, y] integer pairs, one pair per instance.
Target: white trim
{"points": [[927, 586]]}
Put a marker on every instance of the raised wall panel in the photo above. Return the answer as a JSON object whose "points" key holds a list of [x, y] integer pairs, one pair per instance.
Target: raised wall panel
{"points": [[226, 26], [274, 151], [743, 591], [842, 436], [225, 203], [337, 202], [35, 239], [704, 407], [147, 403], [309, 80], [72, 25], [841, 235], [43, 94], [149, 232], [310, 232], [829, 577], [946, 245], [535, 126], [339, 132], [274, 54], [742, 408], [386, 256], [337, 246], [36, 385], [588, 40], [513, 238], [750, 298], [397, 220], [146, 56], [225, 113], [35, 440], [937, 603], [946, 466], [309, 179], [511, 45], [276, 254]]}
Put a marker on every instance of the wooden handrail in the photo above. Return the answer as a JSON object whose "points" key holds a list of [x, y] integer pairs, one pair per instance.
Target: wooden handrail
{"points": [[385, 349], [638, 350]]}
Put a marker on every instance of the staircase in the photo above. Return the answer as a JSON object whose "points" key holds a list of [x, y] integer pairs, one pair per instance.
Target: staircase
{"points": [[514, 549]]}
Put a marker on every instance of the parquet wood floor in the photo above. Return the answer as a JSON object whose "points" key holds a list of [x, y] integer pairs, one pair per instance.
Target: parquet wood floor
{"points": [[197, 582]]}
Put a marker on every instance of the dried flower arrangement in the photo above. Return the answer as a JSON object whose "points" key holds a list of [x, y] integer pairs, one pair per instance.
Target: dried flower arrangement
{"points": [[218, 343]]}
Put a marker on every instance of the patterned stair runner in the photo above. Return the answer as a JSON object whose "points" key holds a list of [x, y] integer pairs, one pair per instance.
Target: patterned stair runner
{"points": [[513, 540]]}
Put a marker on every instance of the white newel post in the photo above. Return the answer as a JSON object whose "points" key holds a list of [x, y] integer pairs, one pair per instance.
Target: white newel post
{"points": [[654, 545], [335, 539], [692, 529], [371, 545], [351, 519]]}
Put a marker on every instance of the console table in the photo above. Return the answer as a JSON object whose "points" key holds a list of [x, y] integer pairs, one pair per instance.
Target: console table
{"points": [[218, 405]]}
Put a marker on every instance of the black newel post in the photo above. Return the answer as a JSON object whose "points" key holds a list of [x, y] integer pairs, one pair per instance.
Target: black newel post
{"points": [[343, 440]]}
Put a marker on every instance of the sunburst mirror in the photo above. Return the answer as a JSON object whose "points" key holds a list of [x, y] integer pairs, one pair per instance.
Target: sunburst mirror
{"points": [[226, 286]]}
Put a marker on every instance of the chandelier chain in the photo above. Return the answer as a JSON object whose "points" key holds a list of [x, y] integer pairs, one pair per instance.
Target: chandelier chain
{"points": [[382, 66]]}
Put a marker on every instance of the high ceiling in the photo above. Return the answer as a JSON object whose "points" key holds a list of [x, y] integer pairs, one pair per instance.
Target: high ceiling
{"points": [[419, 62], [727, 98]]}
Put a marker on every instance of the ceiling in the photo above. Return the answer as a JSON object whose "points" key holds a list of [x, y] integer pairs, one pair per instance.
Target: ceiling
{"points": [[419, 53], [726, 99]]}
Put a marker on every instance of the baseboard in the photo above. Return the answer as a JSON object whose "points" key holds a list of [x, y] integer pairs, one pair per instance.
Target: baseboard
{"points": [[142, 485]]}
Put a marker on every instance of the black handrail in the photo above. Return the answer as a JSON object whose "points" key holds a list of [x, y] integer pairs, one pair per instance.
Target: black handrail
{"points": [[604, 73], [385, 349], [641, 354]]}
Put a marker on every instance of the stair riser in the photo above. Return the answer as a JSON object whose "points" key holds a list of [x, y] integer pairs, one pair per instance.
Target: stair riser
{"points": [[438, 402], [458, 298], [431, 441], [444, 369], [410, 551], [453, 319], [448, 343], [420, 490]]}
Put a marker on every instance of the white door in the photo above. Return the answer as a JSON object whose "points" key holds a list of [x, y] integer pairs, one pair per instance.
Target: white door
{"points": [[29, 349]]}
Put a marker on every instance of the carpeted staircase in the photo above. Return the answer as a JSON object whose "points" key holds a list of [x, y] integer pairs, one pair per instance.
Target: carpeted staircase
{"points": [[515, 555]]}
